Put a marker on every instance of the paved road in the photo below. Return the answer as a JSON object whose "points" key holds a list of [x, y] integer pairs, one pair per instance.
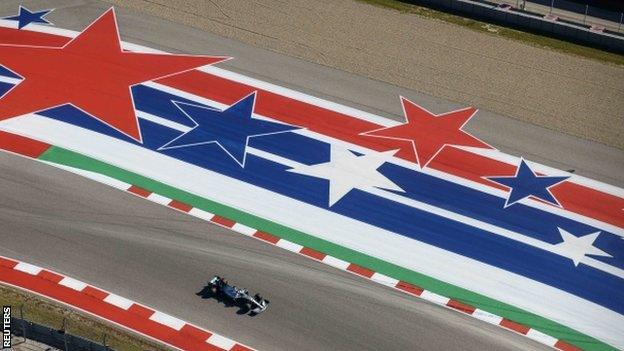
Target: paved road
{"points": [[161, 258]]}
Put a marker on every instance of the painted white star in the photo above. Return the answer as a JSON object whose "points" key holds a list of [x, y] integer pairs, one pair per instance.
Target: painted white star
{"points": [[576, 247], [346, 171]]}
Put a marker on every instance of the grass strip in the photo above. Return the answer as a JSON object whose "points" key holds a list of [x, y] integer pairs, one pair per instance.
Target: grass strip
{"points": [[46, 312], [73, 159], [484, 27]]}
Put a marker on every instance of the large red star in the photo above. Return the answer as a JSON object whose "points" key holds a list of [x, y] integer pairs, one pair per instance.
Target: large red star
{"points": [[425, 134], [91, 72]]}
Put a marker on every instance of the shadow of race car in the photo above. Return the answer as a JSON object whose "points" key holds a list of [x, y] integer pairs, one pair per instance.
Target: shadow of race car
{"points": [[238, 296]]}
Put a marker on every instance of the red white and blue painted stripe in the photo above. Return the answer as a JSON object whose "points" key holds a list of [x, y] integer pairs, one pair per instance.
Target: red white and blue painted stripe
{"points": [[424, 181]]}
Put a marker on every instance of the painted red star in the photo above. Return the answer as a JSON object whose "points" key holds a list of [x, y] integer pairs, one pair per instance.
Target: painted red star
{"points": [[425, 134], [91, 72]]}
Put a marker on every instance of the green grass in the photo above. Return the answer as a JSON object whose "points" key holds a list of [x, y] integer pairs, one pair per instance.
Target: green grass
{"points": [[528, 38], [43, 311]]}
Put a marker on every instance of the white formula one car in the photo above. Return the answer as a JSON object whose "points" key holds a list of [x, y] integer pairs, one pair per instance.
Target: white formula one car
{"points": [[238, 296]]}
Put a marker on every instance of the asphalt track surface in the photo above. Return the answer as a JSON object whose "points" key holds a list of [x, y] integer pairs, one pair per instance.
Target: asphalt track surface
{"points": [[161, 258]]}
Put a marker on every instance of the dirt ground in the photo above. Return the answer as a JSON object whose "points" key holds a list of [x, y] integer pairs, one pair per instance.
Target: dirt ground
{"points": [[566, 93]]}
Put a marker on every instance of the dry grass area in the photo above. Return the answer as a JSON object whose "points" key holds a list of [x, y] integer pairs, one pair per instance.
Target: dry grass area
{"points": [[46, 312], [419, 51]]}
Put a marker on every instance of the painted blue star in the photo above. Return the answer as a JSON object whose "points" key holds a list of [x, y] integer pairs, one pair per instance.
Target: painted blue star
{"points": [[26, 17], [526, 183], [230, 129]]}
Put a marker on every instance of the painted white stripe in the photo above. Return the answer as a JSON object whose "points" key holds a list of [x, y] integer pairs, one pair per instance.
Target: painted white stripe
{"points": [[289, 245], [157, 198], [435, 298], [33, 27], [243, 229], [9, 80], [397, 161], [336, 262], [73, 283], [118, 301], [487, 317], [385, 280], [535, 297], [201, 214], [28, 268], [167, 320], [541, 337], [221, 341], [163, 121]]}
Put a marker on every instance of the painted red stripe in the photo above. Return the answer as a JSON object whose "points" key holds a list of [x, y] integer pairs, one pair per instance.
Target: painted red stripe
{"points": [[25, 37], [461, 306], [564, 346], [239, 347], [139, 191], [517, 327], [579, 199], [22, 145], [141, 311], [180, 206], [266, 237], [194, 332], [409, 288], [226, 222], [7, 263], [365, 272], [317, 255], [51, 276], [135, 318], [95, 292]]}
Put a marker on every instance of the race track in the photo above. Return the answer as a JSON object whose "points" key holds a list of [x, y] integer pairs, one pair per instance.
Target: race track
{"points": [[162, 258]]}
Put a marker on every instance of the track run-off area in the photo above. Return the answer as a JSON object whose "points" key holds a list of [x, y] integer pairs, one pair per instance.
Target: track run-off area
{"points": [[420, 206]]}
